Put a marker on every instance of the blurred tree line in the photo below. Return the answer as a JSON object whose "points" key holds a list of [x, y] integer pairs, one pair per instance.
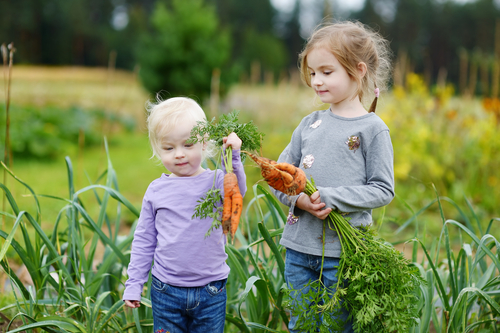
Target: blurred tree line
{"points": [[457, 41], [179, 43]]}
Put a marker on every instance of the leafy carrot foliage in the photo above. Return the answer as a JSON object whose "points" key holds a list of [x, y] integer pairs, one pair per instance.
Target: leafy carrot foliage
{"points": [[216, 130], [210, 206]]}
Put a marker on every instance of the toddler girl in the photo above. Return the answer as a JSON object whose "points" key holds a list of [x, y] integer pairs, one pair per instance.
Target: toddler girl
{"points": [[189, 273]]}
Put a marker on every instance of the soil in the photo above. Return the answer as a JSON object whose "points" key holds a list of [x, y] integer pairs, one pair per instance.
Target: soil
{"points": [[4, 322]]}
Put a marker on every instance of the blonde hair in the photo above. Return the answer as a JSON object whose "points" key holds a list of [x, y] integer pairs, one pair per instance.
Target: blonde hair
{"points": [[352, 43], [164, 115]]}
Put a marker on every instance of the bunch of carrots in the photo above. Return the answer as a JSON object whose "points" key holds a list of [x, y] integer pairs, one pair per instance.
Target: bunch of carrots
{"points": [[283, 177], [363, 257], [232, 203]]}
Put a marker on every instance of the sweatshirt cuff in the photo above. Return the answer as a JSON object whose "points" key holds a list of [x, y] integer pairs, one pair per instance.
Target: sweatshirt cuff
{"points": [[236, 155], [294, 212], [131, 295], [235, 158]]}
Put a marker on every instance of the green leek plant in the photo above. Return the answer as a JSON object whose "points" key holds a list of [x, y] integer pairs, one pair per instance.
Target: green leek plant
{"points": [[8, 59], [462, 289], [68, 293], [256, 285]]}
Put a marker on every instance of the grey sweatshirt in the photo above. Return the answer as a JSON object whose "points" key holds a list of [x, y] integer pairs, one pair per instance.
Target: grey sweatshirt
{"points": [[351, 162]]}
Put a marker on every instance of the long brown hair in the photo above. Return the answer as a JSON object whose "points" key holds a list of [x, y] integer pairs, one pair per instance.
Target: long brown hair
{"points": [[352, 43]]}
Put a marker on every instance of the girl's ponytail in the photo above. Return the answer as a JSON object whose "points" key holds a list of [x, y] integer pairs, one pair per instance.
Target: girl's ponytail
{"points": [[374, 103]]}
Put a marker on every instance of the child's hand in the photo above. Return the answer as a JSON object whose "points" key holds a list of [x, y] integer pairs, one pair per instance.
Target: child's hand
{"points": [[132, 304], [232, 140], [313, 205]]}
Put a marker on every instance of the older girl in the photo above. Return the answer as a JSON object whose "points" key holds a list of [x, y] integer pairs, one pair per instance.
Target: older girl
{"points": [[346, 149]]}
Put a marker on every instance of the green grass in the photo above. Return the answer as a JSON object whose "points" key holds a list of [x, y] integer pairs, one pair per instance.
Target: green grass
{"points": [[118, 91]]}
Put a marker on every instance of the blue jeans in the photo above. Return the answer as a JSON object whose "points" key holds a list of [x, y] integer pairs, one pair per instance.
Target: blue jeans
{"points": [[301, 268], [188, 309]]}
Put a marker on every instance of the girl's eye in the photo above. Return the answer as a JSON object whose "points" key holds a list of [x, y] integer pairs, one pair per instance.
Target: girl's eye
{"points": [[312, 74], [327, 73], [167, 148], [188, 145]]}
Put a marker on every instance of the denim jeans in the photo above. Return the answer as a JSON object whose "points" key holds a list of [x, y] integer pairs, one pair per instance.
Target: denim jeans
{"points": [[188, 309], [301, 268]]}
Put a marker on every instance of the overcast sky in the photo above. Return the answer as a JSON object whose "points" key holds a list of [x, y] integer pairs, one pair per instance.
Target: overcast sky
{"points": [[287, 5], [311, 10], [349, 5]]}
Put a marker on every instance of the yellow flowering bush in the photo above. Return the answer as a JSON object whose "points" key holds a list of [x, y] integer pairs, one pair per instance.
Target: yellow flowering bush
{"points": [[451, 142]]}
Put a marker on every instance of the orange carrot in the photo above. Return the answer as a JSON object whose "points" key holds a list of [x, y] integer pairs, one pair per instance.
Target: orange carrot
{"points": [[233, 204], [237, 208], [283, 177]]}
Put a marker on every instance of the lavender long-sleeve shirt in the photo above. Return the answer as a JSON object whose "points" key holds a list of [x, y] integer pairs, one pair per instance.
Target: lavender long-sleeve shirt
{"points": [[167, 233]]}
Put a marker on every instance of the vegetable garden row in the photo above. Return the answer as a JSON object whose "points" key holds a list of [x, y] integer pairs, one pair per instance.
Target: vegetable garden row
{"points": [[459, 293]]}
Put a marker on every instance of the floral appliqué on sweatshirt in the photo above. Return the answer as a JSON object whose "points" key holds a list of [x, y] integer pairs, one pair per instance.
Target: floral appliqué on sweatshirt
{"points": [[353, 143], [292, 219], [315, 124], [308, 161]]}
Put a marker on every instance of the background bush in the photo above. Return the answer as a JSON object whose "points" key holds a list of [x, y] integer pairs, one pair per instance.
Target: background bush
{"points": [[182, 48], [50, 131]]}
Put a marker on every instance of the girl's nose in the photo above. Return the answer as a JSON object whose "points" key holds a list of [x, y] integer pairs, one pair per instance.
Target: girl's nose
{"points": [[315, 81], [179, 153]]}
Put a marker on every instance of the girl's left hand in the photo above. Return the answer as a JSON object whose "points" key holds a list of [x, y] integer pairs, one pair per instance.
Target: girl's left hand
{"points": [[313, 205], [232, 140]]}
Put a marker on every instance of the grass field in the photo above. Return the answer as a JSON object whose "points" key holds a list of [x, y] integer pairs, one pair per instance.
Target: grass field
{"points": [[113, 90]]}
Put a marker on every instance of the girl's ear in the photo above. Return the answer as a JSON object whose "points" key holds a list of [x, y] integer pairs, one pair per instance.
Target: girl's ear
{"points": [[362, 69]]}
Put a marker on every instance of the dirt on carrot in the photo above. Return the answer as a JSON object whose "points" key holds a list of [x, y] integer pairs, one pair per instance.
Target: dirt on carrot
{"points": [[283, 177], [232, 206]]}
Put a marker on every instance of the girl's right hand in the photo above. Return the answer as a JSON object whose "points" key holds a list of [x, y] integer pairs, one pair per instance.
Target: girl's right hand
{"points": [[232, 140], [132, 304], [313, 205]]}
